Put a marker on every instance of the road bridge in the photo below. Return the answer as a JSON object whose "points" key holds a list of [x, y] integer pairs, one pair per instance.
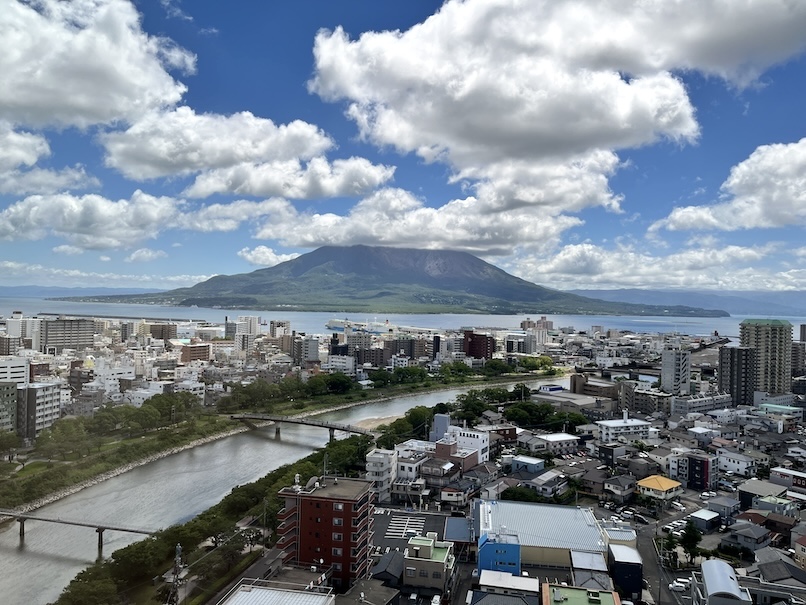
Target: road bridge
{"points": [[21, 518], [331, 426]]}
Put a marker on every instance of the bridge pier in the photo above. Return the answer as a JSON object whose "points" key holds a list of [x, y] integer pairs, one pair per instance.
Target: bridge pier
{"points": [[100, 531], [332, 433], [22, 529], [276, 430]]}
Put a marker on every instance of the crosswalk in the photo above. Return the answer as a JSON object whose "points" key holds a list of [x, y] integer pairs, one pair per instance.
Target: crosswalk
{"points": [[401, 526]]}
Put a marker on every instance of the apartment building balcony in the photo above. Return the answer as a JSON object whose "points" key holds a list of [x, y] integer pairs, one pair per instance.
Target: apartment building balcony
{"points": [[285, 513]]}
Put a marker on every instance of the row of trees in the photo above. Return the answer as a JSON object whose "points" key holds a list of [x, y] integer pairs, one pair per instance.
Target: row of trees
{"points": [[262, 394], [469, 407], [84, 434]]}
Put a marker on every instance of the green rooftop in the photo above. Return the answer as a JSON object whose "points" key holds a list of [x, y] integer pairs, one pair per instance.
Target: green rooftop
{"points": [[767, 322], [583, 596]]}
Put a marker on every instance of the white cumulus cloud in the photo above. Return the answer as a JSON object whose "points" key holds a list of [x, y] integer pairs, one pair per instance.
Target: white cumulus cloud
{"points": [[264, 256], [317, 179], [766, 190], [180, 141], [83, 62], [144, 255]]}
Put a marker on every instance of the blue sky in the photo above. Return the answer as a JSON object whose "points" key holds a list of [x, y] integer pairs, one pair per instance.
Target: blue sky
{"points": [[574, 143]]}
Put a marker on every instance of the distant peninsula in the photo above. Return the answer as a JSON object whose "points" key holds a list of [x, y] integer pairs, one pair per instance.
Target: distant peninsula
{"points": [[376, 279]]}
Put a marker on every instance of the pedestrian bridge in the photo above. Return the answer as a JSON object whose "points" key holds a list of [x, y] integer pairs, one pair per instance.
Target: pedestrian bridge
{"points": [[331, 426], [21, 518]]}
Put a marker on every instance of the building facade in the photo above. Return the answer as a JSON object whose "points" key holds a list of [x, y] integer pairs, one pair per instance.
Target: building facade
{"points": [[772, 339], [329, 525], [738, 373]]}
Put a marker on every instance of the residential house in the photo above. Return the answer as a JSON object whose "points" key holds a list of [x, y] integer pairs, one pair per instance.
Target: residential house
{"points": [[429, 565], [660, 488], [619, 488], [746, 535], [550, 483]]}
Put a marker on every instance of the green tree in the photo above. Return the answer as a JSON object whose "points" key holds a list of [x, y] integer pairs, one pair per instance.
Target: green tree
{"points": [[339, 383], [8, 443], [316, 386], [380, 378], [520, 392], [495, 367], [690, 541], [420, 418], [520, 494], [93, 586]]}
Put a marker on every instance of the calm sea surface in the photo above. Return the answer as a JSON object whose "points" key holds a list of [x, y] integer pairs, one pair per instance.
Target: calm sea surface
{"points": [[314, 323]]}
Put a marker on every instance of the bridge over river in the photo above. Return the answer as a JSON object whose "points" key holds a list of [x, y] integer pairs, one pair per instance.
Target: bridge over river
{"points": [[331, 426], [21, 518]]}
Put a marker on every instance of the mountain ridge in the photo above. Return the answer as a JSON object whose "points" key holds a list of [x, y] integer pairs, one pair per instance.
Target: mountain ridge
{"points": [[395, 280]]}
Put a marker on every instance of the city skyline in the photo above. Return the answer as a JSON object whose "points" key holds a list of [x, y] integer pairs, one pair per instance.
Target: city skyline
{"points": [[574, 144]]}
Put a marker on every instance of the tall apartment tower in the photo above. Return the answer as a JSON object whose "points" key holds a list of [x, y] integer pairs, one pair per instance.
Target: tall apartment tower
{"points": [[738, 373], [798, 359], [328, 524], [772, 339], [675, 373]]}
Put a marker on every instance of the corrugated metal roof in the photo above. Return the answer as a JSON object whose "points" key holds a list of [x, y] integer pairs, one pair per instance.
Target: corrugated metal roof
{"points": [[720, 578], [546, 525], [625, 554], [258, 595], [588, 560]]}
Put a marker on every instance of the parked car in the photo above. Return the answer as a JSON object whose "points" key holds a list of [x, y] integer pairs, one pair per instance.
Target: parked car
{"points": [[705, 495], [677, 587]]}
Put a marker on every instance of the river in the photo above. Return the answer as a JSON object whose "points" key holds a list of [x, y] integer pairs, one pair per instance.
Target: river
{"points": [[169, 491]]}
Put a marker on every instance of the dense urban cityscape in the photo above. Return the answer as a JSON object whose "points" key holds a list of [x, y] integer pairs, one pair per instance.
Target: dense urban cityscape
{"points": [[642, 467]]}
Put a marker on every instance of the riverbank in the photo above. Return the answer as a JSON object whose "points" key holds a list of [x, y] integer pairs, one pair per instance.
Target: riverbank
{"points": [[370, 423]]}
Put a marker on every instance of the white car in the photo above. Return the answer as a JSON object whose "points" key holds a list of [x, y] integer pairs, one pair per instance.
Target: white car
{"points": [[677, 587]]}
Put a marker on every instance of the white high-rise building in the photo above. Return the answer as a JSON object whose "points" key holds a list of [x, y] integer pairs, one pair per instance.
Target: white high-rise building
{"points": [[14, 369], [249, 324], [382, 471], [675, 374]]}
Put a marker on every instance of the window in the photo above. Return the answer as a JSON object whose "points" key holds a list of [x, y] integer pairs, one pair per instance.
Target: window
{"points": [[337, 552], [338, 521], [437, 575], [337, 537], [337, 567], [410, 572], [338, 506], [423, 573]]}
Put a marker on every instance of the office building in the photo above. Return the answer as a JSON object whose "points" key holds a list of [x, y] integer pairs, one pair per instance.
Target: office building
{"points": [[328, 523], [478, 346], [66, 333], [772, 339]]}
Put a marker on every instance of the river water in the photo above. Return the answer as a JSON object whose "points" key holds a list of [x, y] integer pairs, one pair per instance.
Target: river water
{"points": [[169, 491]]}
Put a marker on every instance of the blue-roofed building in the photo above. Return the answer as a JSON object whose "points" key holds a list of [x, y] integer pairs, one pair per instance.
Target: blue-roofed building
{"points": [[716, 584]]}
